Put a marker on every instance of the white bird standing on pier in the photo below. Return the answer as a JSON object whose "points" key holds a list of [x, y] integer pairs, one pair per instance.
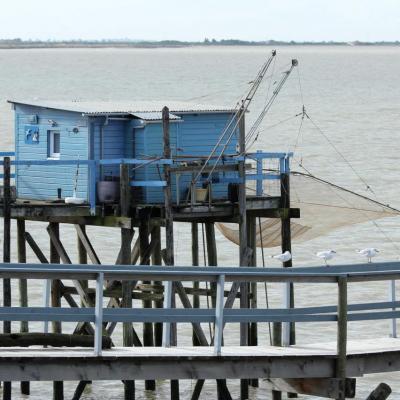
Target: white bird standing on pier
{"points": [[286, 256], [326, 255], [369, 252]]}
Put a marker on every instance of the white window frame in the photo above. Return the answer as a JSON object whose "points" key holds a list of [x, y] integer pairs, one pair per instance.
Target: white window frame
{"points": [[52, 155]]}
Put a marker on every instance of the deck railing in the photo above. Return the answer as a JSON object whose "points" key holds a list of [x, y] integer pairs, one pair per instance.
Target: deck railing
{"points": [[260, 176], [341, 313]]}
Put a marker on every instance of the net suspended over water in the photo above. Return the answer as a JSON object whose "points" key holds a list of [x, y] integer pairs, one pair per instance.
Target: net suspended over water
{"points": [[324, 207]]}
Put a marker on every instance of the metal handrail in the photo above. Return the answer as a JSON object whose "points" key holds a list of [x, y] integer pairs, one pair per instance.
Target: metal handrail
{"points": [[341, 313]]}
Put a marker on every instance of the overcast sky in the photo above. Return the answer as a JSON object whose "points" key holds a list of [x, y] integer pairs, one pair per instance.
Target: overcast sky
{"points": [[314, 20]]}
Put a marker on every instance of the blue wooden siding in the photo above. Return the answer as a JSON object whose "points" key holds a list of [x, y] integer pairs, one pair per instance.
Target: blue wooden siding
{"points": [[41, 181], [195, 135], [115, 133]]}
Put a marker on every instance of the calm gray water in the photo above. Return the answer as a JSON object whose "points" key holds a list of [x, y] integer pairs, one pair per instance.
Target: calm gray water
{"points": [[352, 93]]}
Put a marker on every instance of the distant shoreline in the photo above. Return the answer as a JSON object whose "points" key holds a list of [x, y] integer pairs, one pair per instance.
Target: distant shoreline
{"points": [[37, 44]]}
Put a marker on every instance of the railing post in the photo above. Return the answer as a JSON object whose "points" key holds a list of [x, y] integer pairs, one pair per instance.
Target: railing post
{"points": [[166, 338], [46, 301], [342, 335], [219, 315], [98, 322], [287, 305], [259, 184], [392, 297]]}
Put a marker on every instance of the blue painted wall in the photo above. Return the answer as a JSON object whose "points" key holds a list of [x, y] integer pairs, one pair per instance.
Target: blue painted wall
{"points": [[194, 134], [41, 182]]}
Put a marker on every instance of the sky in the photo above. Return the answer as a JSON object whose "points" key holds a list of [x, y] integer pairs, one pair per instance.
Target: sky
{"points": [[299, 20]]}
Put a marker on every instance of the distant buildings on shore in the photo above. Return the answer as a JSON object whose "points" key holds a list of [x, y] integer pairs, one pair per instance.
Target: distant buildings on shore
{"points": [[126, 43]]}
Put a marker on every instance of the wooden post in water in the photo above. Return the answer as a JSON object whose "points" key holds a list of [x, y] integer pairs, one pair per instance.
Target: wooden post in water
{"points": [[195, 263], [212, 256], [243, 248], [169, 228], [125, 257], [144, 245], [58, 387], [289, 334], [23, 287], [7, 253], [157, 260], [342, 336], [381, 392], [252, 244]]}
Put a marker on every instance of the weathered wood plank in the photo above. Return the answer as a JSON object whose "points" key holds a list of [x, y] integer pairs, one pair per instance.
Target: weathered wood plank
{"points": [[50, 339], [59, 248], [321, 387], [80, 230]]}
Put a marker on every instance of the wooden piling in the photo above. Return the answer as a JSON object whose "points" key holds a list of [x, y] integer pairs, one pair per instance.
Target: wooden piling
{"points": [[252, 244], [58, 387], [277, 341], [144, 246], [286, 245], [381, 392], [157, 260], [125, 259], [23, 287], [243, 247], [195, 263], [342, 335], [169, 227], [212, 256], [7, 253]]}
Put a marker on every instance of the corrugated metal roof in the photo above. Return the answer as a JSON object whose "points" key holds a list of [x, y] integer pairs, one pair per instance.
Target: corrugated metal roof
{"points": [[153, 116], [120, 108]]}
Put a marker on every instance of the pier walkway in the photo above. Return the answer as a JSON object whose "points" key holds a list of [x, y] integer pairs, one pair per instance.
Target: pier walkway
{"points": [[334, 362]]}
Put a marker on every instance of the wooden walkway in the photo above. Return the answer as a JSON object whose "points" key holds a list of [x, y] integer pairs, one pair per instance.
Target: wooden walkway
{"points": [[317, 361]]}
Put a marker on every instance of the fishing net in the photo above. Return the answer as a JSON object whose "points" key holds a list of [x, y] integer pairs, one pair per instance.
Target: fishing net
{"points": [[324, 207]]}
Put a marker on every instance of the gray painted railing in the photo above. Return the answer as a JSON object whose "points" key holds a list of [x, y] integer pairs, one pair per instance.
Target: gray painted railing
{"points": [[339, 275]]}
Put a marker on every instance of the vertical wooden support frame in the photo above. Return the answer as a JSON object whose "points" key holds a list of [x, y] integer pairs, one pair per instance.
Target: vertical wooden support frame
{"points": [[169, 239], [252, 244], [212, 256], [82, 255], [288, 329], [23, 286], [7, 253], [157, 260], [125, 257], [195, 263], [98, 325], [58, 387], [243, 248], [342, 335], [144, 245]]}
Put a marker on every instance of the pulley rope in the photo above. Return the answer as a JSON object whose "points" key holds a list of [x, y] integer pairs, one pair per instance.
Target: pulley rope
{"points": [[235, 120]]}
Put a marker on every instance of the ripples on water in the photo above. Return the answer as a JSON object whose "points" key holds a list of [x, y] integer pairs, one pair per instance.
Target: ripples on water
{"points": [[353, 94]]}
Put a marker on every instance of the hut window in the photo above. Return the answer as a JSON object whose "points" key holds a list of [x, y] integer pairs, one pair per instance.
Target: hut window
{"points": [[54, 144]]}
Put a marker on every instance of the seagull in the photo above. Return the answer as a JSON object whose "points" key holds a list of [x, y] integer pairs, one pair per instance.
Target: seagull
{"points": [[369, 252], [326, 255], [286, 256]]}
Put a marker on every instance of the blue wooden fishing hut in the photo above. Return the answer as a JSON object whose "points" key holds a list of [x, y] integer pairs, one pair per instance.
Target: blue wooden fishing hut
{"points": [[94, 131]]}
